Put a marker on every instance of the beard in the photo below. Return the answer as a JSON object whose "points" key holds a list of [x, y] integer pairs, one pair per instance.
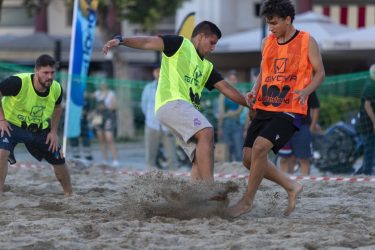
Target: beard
{"points": [[46, 83]]}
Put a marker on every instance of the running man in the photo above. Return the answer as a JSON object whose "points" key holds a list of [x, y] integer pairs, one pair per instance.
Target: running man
{"points": [[289, 59], [183, 75]]}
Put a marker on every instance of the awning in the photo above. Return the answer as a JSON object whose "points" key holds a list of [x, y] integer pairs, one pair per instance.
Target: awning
{"points": [[320, 27], [362, 39]]}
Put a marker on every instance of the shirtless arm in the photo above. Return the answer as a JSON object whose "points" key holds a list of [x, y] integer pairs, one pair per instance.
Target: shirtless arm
{"points": [[318, 70], [137, 42], [231, 92]]}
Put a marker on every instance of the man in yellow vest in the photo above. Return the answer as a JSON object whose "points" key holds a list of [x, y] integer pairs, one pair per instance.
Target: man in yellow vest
{"points": [[289, 59], [183, 75], [30, 113]]}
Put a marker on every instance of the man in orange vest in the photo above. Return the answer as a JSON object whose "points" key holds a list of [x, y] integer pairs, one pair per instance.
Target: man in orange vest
{"points": [[291, 69]]}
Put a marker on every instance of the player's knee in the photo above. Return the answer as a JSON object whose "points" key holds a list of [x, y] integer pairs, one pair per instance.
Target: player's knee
{"points": [[246, 163], [207, 135], [259, 149], [4, 154]]}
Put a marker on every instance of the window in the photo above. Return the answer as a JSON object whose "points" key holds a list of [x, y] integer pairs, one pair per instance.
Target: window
{"points": [[15, 17]]}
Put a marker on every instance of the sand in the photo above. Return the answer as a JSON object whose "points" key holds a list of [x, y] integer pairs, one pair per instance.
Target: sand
{"points": [[161, 211]]}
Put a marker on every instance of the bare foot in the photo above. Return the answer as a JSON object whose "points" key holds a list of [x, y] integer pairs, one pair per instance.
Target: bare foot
{"points": [[292, 198], [68, 194], [239, 209]]}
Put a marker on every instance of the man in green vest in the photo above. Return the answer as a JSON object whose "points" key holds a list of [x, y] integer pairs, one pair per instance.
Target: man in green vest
{"points": [[30, 113], [183, 75]]}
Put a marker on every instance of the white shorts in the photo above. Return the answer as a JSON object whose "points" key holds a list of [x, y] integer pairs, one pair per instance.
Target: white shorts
{"points": [[184, 120]]}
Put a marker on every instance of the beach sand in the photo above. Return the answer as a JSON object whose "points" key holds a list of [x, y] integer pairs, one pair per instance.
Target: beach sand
{"points": [[111, 210]]}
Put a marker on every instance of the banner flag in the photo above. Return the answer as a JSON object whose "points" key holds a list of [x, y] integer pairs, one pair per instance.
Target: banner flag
{"points": [[81, 45], [187, 26]]}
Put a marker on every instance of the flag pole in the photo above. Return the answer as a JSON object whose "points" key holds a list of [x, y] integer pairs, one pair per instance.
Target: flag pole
{"points": [[70, 75]]}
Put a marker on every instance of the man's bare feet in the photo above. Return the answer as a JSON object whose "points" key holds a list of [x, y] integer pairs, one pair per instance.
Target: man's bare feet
{"points": [[239, 209], [68, 194], [292, 198]]}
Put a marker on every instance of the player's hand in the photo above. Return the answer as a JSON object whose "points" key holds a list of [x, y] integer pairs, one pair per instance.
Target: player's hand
{"points": [[5, 128], [53, 141], [250, 98], [315, 129], [110, 44], [302, 95]]}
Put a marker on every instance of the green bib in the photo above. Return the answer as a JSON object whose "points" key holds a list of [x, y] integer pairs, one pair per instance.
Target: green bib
{"points": [[28, 107], [182, 76]]}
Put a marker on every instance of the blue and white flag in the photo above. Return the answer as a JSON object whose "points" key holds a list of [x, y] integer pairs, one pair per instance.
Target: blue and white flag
{"points": [[81, 45]]}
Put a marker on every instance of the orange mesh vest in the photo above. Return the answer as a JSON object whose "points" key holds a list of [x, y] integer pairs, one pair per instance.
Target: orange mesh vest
{"points": [[285, 68]]}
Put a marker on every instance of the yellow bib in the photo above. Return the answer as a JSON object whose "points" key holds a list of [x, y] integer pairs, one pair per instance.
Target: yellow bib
{"points": [[182, 76], [28, 107]]}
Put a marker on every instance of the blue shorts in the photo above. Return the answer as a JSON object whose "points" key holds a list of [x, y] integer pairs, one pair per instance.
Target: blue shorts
{"points": [[35, 143], [300, 145]]}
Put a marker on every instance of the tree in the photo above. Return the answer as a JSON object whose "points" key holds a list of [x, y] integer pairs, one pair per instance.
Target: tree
{"points": [[146, 13]]}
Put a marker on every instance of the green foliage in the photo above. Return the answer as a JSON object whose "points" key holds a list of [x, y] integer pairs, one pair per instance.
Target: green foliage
{"points": [[336, 108], [146, 13]]}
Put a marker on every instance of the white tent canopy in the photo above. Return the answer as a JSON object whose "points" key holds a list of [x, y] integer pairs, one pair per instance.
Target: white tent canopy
{"points": [[320, 27], [362, 39]]}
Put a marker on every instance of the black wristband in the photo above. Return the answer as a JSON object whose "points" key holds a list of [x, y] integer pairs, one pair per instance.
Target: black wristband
{"points": [[119, 38]]}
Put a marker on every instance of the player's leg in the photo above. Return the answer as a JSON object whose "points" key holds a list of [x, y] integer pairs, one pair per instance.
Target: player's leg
{"points": [[272, 135], [204, 153], [63, 176], [195, 134], [278, 132], [7, 145], [244, 205], [40, 150], [4, 154]]}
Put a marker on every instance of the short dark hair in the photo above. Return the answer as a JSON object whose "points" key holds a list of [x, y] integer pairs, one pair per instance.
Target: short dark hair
{"points": [[44, 60], [208, 28], [279, 8]]}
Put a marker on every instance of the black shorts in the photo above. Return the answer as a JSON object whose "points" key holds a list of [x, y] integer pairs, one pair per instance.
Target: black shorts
{"points": [[34, 142], [276, 129]]}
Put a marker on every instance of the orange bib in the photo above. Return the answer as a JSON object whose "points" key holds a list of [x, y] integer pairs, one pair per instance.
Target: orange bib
{"points": [[285, 68]]}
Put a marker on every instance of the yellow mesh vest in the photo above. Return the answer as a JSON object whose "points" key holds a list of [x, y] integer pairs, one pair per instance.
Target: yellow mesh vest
{"points": [[182, 76], [27, 106]]}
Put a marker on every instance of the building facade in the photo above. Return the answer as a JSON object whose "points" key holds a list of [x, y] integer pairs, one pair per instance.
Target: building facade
{"points": [[25, 36]]}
